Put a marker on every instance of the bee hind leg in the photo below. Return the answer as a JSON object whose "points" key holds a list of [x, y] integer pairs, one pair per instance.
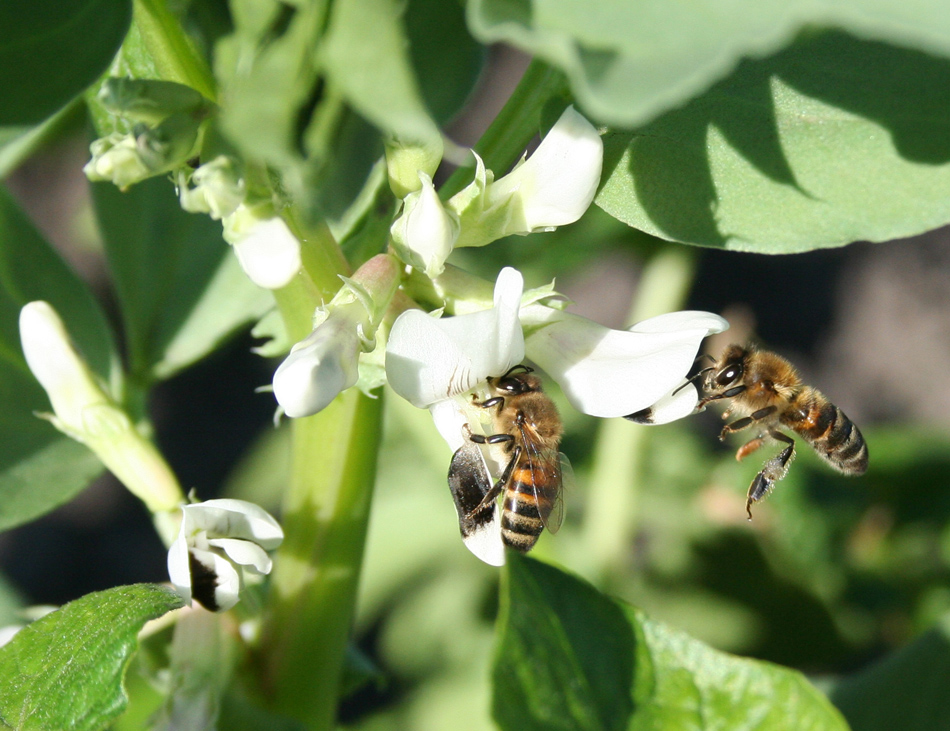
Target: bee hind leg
{"points": [[773, 470]]}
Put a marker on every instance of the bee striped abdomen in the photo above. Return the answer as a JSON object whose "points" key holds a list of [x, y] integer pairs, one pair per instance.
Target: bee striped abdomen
{"points": [[521, 517], [835, 437]]}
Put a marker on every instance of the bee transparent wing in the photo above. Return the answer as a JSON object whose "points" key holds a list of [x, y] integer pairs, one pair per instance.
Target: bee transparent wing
{"points": [[480, 525], [547, 482], [553, 521]]}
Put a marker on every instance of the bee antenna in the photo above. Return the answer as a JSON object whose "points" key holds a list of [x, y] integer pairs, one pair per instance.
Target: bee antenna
{"points": [[521, 366], [690, 380], [701, 357]]}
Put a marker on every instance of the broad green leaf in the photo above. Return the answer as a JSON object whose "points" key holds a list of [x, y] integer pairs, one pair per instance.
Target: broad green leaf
{"points": [[906, 691], [447, 60], [364, 54], [180, 288], [569, 657], [65, 671], [831, 141], [51, 50], [39, 467], [629, 61]]}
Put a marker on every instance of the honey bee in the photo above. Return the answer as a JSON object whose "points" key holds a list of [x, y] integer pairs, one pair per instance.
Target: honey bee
{"points": [[527, 425], [767, 392]]}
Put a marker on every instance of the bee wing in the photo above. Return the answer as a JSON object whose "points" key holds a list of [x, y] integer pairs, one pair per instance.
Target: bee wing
{"points": [[469, 481], [553, 521], [546, 466]]}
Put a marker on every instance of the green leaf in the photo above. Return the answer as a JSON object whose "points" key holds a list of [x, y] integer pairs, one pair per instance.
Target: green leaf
{"points": [[628, 61], [831, 141], [446, 59], [65, 671], [51, 50], [906, 691], [181, 290], [39, 467], [568, 657], [364, 53]]}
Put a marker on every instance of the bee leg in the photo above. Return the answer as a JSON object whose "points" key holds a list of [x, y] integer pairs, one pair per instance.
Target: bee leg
{"points": [[773, 470], [492, 495], [746, 421], [498, 401], [748, 448], [493, 439]]}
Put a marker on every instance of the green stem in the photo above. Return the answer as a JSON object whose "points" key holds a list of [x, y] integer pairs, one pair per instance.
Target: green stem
{"points": [[509, 134], [325, 515], [617, 473], [317, 571], [174, 55]]}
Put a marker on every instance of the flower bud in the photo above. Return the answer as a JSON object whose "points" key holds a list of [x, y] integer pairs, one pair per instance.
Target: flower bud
{"points": [[268, 251], [216, 188], [426, 231], [405, 163], [83, 410]]}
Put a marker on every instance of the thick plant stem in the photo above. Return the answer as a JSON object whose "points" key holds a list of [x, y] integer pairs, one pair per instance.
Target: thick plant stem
{"points": [[617, 474], [509, 134], [317, 572]]}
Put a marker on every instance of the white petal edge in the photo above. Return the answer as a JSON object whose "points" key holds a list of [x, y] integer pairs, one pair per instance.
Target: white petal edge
{"points": [[179, 571]]}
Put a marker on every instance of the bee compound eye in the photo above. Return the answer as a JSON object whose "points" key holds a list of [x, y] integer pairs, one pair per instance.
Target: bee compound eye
{"points": [[728, 375]]}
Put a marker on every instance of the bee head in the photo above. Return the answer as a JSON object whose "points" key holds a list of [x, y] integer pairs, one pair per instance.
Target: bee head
{"points": [[731, 367], [516, 381]]}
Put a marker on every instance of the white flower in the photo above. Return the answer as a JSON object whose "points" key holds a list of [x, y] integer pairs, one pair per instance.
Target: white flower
{"points": [[321, 365], [269, 253], [608, 373], [425, 232], [221, 543], [327, 361], [85, 412], [551, 188]]}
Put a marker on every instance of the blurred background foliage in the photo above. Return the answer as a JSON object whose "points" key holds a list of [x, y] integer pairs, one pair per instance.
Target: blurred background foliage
{"points": [[830, 576]]}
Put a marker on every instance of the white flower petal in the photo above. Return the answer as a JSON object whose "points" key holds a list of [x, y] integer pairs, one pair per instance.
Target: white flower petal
{"points": [[683, 320], [450, 419], [178, 570], [244, 553], [557, 183], [428, 360], [269, 253], [229, 518], [486, 542], [319, 367], [606, 372], [680, 402]]}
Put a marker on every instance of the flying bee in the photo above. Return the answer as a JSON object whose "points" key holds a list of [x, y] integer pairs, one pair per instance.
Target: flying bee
{"points": [[528, 428], [767, 392]]}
